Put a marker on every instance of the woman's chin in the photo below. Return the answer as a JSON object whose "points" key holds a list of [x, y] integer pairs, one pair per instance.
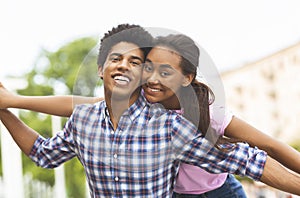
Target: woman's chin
{"points": [[151, 99]]}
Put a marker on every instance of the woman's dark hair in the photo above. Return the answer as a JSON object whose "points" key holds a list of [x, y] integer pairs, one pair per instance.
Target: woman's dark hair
{"points": [[197, 97], [124, 33]]}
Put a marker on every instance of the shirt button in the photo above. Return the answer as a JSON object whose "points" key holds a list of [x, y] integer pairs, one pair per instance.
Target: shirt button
{"points": [[115, 155], [116, 178]]}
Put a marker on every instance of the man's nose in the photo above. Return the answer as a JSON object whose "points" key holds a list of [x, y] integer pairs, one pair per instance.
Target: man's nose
{"points": [[124, 64]]}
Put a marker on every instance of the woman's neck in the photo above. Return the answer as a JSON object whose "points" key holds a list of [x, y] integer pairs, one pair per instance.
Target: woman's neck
{"points": [[171, 103]]}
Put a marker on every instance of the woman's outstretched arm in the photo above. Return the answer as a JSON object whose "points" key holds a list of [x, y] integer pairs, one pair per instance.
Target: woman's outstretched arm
{"points": [[54, 105]]}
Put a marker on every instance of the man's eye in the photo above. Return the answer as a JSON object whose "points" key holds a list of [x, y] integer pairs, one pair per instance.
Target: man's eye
{"points": [[136, 63], [115, 59]]}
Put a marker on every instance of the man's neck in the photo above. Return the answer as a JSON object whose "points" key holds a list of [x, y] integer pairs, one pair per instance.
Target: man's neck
{"points": [[117, 106]]}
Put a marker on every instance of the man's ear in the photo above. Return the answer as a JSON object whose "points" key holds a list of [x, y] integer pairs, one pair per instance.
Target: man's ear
{"points": [[100, 72], [187, 80]]}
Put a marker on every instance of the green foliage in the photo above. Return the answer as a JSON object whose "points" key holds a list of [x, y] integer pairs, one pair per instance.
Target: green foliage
{"points": [[72, 61], [77, 185], [244, 179], [72, 69], [296, 145]]}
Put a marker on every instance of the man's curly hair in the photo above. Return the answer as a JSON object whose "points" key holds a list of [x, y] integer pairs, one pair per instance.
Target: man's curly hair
{"points": [[124, 33]]}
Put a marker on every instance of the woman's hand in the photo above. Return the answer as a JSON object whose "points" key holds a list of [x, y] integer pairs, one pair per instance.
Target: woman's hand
{"points": [[6, 97]]}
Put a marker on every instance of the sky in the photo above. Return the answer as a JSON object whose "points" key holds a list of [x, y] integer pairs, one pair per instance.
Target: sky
{"points": [[233, 32]]}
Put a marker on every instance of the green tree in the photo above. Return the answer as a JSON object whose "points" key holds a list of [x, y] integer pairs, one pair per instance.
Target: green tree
{"points": [[72, 69]]}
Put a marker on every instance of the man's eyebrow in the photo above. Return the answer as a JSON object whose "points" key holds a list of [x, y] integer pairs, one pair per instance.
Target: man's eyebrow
{"points": [[119, 54], [137, 57], [115, 54]]}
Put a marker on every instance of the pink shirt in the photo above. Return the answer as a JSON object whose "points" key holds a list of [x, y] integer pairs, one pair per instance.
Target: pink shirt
{"points": [[194, 180]]}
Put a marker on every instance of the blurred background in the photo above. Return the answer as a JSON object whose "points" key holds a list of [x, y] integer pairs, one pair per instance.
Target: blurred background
{"points": [[49, 47]]}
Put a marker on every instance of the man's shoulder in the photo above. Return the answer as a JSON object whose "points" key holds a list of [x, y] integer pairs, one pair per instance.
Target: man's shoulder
{"points": [[89, 108], [158, 110]]}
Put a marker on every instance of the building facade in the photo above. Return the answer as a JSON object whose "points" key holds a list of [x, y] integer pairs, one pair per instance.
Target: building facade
{"points": [[266, 94]]}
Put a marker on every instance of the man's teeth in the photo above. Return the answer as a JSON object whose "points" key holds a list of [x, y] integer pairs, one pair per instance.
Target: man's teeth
{"points": [[122, 79]]}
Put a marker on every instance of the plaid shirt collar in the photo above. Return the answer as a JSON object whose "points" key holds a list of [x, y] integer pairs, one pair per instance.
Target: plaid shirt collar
{"points": [[133, 111]]}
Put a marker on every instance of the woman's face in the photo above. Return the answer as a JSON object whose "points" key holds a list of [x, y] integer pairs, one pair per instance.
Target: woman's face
{"points": [[162, 77]]}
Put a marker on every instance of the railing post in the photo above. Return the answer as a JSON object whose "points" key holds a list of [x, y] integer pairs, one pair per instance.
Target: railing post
{"points": [[11, 164], [59, 187]]}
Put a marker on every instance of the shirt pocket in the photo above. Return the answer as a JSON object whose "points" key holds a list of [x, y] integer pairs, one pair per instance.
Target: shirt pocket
{"points": [[148, 152]]}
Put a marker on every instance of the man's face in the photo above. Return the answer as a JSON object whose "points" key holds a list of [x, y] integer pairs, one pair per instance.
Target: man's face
{"points": [[122, 71]]}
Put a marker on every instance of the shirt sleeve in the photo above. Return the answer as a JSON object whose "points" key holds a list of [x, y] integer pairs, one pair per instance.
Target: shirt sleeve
{"points": [[239, 159], [52, 152], [220, 118]]}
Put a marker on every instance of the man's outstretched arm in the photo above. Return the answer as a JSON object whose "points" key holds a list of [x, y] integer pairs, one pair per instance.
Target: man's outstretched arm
{"points": [[277, 176], [21, 133]]}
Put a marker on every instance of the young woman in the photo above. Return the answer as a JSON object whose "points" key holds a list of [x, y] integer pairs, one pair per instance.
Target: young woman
{"points": [[170, 76]]}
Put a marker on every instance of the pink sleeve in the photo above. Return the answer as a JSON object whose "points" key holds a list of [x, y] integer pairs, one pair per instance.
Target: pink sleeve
{"points": [[220, 118]]}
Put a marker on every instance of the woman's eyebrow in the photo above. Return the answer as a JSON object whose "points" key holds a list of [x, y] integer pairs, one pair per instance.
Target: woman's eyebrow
{"points": [[148, 60], [163, 66], [166, 66]]}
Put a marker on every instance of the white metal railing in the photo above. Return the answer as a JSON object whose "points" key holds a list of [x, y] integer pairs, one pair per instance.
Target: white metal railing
{"points": [[11, 165], [13, 183], [36, 189]]}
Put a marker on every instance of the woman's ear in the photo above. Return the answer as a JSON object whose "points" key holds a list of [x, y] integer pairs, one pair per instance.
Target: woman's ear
{"points": [[187, 80], [100, 72]]}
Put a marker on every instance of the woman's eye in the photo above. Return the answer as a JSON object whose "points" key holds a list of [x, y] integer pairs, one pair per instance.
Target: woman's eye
{"points": [[164, 73], [147, 68]]}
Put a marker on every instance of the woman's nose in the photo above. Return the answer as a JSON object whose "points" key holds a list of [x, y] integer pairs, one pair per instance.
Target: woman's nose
{"points": [[154, 78]]}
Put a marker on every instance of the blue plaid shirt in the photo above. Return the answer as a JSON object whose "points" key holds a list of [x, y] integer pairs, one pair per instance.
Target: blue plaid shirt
{"points": [[140, 158]]}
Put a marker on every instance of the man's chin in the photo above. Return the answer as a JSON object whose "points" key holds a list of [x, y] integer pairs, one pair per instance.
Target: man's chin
{"points": [[121, 93]]}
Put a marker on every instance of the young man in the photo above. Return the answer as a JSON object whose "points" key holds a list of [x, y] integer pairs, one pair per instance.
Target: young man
{"points": [[130, 148]]}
